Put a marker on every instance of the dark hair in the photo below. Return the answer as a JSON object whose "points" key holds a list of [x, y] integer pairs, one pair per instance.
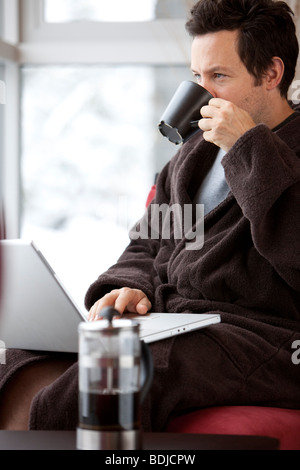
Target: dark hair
{"points": [[266, 29]]}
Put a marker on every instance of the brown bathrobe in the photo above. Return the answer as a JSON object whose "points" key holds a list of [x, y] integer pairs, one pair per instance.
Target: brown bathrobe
{"points": [[248, 270]]}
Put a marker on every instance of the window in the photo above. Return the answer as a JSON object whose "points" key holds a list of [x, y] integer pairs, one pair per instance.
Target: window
{"points": [[90, 151], [60, 11], [57, 11], [91, 96]]}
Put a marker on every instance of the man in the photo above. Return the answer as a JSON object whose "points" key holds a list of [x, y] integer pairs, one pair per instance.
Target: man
{"points": [[244, 52], [242, 100]]}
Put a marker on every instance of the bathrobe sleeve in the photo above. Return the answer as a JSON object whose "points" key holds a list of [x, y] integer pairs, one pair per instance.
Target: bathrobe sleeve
{"points": [[263, 172]]}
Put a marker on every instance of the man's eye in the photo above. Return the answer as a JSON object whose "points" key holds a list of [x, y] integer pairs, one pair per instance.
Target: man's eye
{"points": [[219, 75], [197, 77]]}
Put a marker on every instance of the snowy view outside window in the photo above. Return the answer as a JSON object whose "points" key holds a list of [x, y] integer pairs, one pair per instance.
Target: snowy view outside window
{"points": [[99, 10], [90, 146], [89, 152], [60, 11]]}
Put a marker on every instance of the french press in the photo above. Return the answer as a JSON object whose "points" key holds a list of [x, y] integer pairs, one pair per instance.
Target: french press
{"points": [[115, 374]]}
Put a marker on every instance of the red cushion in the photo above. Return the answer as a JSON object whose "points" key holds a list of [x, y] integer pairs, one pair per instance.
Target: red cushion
{"points": [[282, 424], [151, 195]]}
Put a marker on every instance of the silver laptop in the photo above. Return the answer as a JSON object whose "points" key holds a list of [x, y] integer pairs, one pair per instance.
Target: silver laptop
{"points": [[37, 313]]}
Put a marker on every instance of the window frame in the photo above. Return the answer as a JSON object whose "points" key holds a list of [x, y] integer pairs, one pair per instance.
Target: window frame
{"points": [[101, 42], [9, 152]]}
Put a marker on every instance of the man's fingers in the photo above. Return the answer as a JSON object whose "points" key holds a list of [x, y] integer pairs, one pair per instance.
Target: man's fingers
{"points": [[207, 111], [124, 299], [143, 306], [133, 301], [205, 124], [107, 301]]}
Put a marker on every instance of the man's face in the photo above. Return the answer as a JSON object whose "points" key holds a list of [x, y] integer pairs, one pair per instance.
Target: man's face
{"points": [[217, 67]]}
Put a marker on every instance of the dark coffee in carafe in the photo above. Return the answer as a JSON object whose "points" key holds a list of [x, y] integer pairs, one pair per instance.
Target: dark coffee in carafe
{"points": [[115, 373]]}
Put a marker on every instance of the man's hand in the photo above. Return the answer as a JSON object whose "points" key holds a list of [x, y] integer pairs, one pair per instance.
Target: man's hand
{"points": [[224, 123], [123, 300]]}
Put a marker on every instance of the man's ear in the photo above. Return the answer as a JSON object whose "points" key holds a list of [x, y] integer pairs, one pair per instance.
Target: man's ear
{"points": [[274, 73]]}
